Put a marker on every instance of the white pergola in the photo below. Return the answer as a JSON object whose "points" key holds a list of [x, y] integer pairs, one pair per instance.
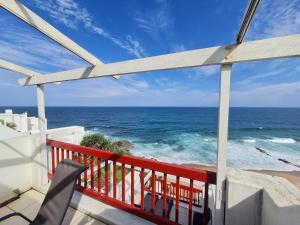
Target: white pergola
{"points": [[224, 56]]}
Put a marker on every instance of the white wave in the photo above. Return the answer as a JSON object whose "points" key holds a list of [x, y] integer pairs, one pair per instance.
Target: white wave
{"points": [[283, 140], [203, 150], [249, 140]]}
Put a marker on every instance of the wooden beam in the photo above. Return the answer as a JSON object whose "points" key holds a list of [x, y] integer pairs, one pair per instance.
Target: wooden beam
{"points": [[25, 14], [281, 47], [224, 94], [18, 69]]}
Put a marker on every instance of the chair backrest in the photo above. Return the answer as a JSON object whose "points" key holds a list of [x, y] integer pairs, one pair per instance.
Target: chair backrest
{"points": [[59, 195]]}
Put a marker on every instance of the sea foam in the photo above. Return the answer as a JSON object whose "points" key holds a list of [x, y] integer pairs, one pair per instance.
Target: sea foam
{"points": [[283, 140]]}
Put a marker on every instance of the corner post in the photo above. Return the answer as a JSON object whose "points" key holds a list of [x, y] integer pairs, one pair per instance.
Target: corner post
{"points": [[224, 95], [42, 123]]}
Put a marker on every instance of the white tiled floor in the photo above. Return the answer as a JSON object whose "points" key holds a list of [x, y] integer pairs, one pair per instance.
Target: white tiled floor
{"points": [[29, 204]]}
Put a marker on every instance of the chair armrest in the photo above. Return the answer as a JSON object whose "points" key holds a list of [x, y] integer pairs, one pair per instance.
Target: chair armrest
{"points": [[15, 214]]}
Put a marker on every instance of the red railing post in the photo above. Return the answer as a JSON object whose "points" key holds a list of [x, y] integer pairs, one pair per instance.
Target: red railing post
{"points": [[190, 202], [52, 160], [153, 186], [57, 156], [114, 179], [99, 174], [85, 172], [205, 217], [62, 151], [164, 187], [79, 160], [177, 200], [123, 182], [132, 185], [92, 172], [106, 177], [142, 189]]}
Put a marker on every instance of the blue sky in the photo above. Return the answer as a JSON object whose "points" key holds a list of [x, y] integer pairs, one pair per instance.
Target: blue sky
{"points": [[121, 30]]}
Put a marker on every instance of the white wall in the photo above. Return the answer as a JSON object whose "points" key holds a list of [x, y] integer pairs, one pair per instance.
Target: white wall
{"points": [[16, 171], [258, 199], [20, 158], [22, 122], [72, 134]]}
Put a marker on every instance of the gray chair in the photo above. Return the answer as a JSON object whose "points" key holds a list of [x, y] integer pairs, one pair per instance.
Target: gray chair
{"points": [[59, 195]]}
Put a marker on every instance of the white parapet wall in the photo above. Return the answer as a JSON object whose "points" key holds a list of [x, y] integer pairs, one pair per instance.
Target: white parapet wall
{"points": [[17, 151], [20, 160], [22, 122], [72, 134], [260, 199]]}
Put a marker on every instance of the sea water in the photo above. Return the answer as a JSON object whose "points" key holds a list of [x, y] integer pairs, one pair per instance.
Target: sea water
{"points": [[258, 137]]}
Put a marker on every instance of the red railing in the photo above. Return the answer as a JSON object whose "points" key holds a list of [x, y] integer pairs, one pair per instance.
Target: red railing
{"points": [[100, 181], [184, 191]]}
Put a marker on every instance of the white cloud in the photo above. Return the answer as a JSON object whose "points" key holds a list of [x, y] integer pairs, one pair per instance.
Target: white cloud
{"points": [[281, 94], [71, 14], [157, 22], [23, 46], [275, 18], [135, 82]]}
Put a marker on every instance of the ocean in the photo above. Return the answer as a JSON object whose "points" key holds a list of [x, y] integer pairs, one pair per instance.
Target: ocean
{"points": [[259, 138]]}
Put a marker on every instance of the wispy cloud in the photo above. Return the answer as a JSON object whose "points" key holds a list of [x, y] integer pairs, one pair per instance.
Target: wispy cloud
{"points": [[22, 45], [275, 18], [71, 14], [156, 22]]}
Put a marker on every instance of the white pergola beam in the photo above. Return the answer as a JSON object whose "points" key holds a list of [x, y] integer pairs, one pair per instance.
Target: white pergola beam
{"points": [[25, 14], [280, 47], [224, 95], [18, 69]]}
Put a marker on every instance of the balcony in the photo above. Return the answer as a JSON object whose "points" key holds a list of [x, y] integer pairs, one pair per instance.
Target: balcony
{"points": [[111, 191], [160, 192]]}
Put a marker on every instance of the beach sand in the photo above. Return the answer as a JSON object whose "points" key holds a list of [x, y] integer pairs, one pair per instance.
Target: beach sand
{"points": [[292, 176]]}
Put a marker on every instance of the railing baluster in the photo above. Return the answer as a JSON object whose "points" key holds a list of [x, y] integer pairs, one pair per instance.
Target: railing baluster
{"points": [[153, 191], [142, 189], [106, 177], [205, 217], [177, 200], [132, 185], [68, 154], [123, 182], [62, 154], [79, 160], [92, 172], [57, 156], [99, 174], [114, 179], [164, 187], [52, 160], [73, 155], [190, 202], [85, 172]]}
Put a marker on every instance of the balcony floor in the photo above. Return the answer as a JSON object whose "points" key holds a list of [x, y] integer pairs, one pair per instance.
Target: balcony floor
{"points": [[29, 204]]}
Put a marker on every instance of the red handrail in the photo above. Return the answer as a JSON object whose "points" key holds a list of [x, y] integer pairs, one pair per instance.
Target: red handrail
{"points": [[104, 192], [170, 190]]}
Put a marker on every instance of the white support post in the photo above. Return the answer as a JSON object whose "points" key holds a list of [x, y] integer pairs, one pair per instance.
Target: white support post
{"points": [[43, 165], [222, 143]]}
